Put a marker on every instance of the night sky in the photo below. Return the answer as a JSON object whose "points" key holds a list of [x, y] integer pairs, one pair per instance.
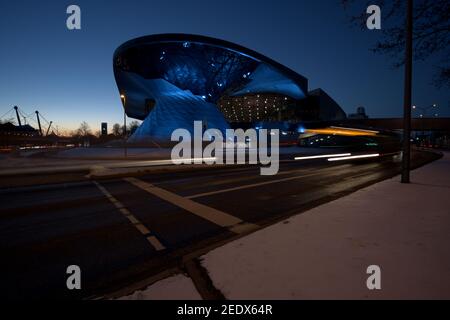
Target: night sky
{"points": [[67, 75]]}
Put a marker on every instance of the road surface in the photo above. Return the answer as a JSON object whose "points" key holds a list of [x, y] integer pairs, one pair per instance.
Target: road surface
{"points": [[125, 229]]}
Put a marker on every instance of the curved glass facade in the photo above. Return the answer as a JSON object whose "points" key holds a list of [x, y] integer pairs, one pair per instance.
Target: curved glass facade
{"points": [[171, 80]]}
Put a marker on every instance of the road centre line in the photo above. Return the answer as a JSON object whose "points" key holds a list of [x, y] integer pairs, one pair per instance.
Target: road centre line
{"points": [[154, 242], [215, 216]]}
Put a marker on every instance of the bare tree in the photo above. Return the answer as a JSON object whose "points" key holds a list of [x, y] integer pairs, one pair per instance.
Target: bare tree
{"points": [[133, 126], [116, 130], [431, 31], [84, 130]]}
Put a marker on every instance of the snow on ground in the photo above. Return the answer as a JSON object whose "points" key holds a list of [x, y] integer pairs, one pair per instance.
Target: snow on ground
{"points": [[324, 253], [178, 287]]}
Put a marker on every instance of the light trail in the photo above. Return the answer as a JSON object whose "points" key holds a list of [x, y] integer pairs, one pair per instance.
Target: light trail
{"points": [[355, 157], [323, 156]]}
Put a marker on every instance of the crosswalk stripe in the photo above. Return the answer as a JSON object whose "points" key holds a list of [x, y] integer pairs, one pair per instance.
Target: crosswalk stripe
{"points": [[135, 221], [213, 215]]}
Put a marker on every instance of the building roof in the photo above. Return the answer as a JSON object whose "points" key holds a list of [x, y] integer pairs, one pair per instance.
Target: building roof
{"points": [[206, 67]]}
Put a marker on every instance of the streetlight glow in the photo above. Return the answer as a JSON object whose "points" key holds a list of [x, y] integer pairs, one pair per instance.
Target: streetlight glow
{"points": [[424, 110], [122, 97]]}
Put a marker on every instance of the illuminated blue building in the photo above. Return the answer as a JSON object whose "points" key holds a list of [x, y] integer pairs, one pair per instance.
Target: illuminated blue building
{"points": [[171, 80]]}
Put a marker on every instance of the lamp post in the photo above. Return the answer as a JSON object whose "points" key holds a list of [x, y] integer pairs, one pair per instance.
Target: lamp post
{"points": [[123, 99], [407, 93]]}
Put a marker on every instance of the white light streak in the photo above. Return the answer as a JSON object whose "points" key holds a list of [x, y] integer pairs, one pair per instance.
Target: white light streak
{"points": [[355, 157], [323, 156]]}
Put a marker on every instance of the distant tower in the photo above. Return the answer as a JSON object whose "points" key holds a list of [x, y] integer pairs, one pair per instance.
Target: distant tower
{"points": [[104, 128], [360, 114], [361, 111]]}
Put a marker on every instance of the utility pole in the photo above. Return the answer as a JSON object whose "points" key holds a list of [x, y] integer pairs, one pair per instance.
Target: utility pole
{"points": [[407, 93]]}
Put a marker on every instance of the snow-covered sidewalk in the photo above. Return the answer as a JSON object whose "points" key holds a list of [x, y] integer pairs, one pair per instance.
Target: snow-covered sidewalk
{"points": [[177, 287], [324, 253]]}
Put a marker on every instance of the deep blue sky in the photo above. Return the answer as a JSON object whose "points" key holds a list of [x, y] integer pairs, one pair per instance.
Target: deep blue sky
{"points": [[67, 75]]}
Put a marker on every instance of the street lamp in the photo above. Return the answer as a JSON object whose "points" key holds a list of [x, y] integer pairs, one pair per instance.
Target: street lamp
{"points": [[123, 99], [407, 92], [423, 114], [425, 109]]}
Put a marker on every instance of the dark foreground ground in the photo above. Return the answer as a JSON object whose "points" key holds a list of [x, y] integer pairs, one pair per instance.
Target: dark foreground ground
{"points": [[122, 230]]}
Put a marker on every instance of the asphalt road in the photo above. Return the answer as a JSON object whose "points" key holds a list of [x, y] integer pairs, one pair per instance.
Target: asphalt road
{"points": [[122, 230]]}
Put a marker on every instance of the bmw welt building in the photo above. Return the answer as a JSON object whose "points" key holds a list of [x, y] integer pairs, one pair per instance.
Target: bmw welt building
{"points": [[171, 80]]}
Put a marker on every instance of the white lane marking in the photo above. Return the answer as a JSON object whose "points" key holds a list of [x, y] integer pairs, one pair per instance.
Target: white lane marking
{"points": [[213, 215], [125, 211], [135, 221], [143, 229], [132, 219], [155, 243], [252, 185]]}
